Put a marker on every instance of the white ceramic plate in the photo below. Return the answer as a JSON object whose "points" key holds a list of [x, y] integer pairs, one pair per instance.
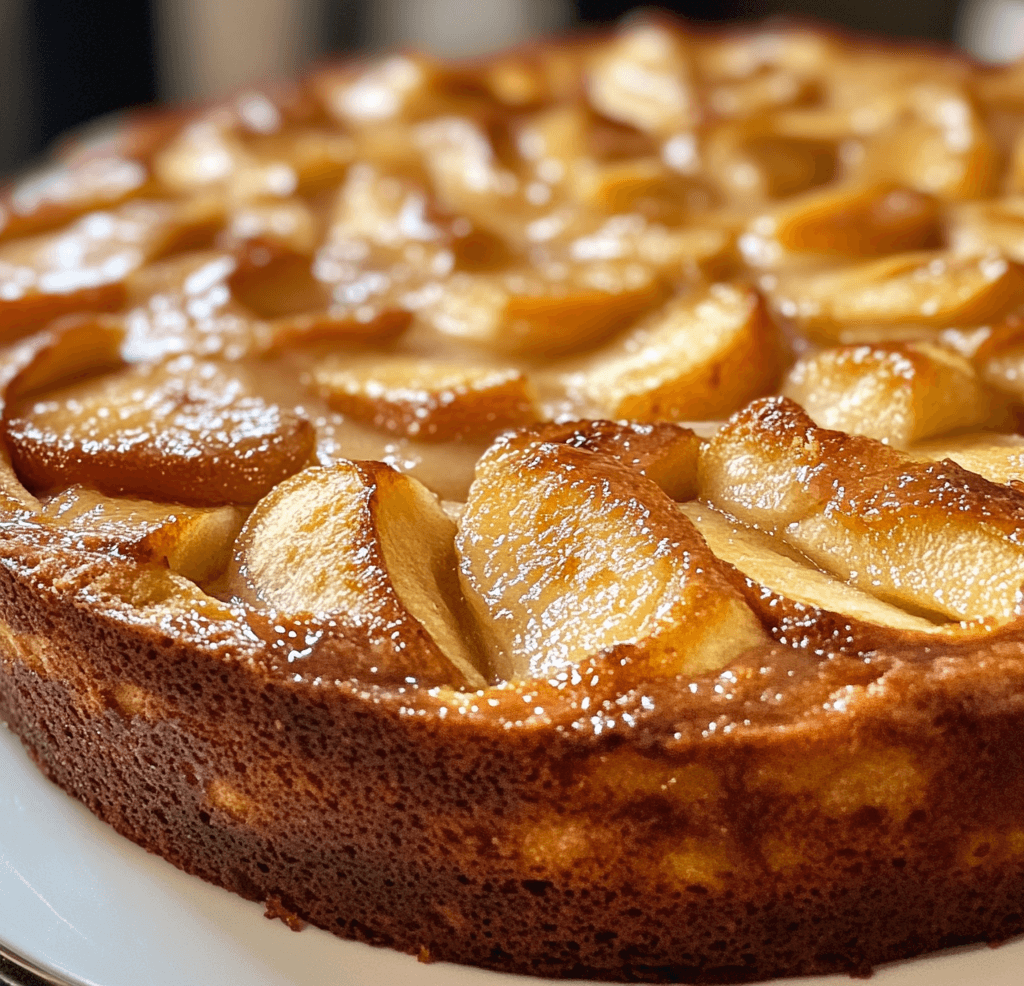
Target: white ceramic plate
{"points": [[80, 902]]}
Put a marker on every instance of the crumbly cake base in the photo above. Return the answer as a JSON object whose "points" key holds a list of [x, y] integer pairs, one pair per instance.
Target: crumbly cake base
{"points": [[475, 843]]}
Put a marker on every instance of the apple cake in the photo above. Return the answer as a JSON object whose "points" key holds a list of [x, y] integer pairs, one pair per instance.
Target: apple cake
{"points": [[562, 513]]}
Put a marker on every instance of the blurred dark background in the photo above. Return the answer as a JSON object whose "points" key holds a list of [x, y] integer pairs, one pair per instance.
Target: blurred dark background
{"points": [[63, 62]]}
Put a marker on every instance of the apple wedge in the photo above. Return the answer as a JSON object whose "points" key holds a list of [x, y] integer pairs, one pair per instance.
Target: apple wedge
{"points": [[184, 431], [896, 393], [212, 155], [699, 357], [666, 453], [194, 542], [543, 312], [769, 564], [364, 544], [644, 78], [186, 304], [83, 268], [845, 220], [924, 290], [929, 537], [54, 195], [565, 554], [426, 399]]}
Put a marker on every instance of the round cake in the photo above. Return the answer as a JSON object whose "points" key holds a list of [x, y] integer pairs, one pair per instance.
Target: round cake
{"points": [[562, 513]]}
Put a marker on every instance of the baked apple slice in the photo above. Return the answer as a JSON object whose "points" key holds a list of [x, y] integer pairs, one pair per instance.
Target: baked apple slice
{"points": [[184, 431], [543, 312], [767, 562], [644, 78], [994, 224], [843, 221], [565, 554], [937, 141], [212, 154], [926, 291], [470, 181], [664, 452], [186, 304], [365, 545], [426, 399], [930, 537], [83, 268], [699, 357], [382, 245], [195, 542], [896, 393], [54, 195], [72, 348]]}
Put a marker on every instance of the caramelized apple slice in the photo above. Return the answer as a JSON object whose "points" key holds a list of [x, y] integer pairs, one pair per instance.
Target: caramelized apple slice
{"points": [[469, 181], [282, 226], [693, 252], [665, 453], [769, 88], [361, 542], [394, 88], [184, 432], [698, 358], [845, 221], [186, 305], [193, 542], [937, 141], [538, 313], [566, 553], [426, 399], [381, 245], [917, 289], [72, 348], [212, 154], [643, 186], [84, 267], [642, 77], [75, 347], [751, 161], [769, 564], [55, 195], [896, 393], [929, 537]]}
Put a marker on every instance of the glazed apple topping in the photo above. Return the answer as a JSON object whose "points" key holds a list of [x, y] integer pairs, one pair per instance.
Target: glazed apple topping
{"points": [[363, 544], [897, 393], [419, 397], [929, 536], [194, 542], [698, 357], [534, 288], [564, 554], [186, 434]]}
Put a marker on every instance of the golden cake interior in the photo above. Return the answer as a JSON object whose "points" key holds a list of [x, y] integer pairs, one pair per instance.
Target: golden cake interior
{"points": [[595, 375]]}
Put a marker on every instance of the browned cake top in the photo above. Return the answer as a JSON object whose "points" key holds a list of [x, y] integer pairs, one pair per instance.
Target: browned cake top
{"points": [[327, 379]]}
